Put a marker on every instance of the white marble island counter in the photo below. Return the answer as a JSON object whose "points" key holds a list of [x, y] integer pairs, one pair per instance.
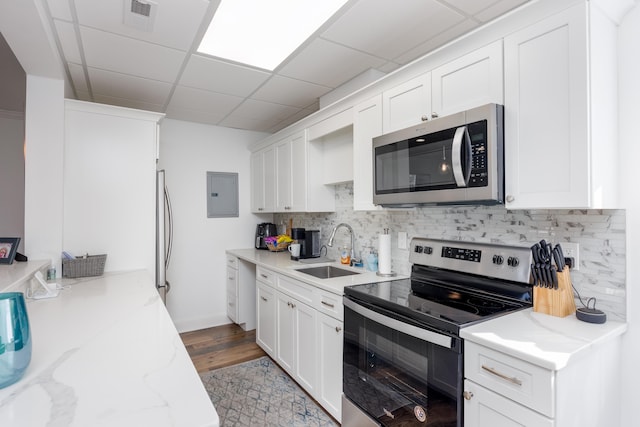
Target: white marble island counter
{"points": [[105, 353]]}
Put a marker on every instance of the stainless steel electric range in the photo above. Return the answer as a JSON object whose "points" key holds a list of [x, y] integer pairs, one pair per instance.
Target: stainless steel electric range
{"points": [[403, 355]]}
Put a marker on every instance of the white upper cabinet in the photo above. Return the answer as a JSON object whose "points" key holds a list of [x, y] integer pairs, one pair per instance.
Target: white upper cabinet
{"points": [[407, 104], [560, 149], [257, 182], [367, 124], [291, 167], [263, 181], [470, 81]]}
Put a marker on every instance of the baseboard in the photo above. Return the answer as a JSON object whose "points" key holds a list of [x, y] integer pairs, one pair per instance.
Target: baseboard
{"points": [[188, 325]]}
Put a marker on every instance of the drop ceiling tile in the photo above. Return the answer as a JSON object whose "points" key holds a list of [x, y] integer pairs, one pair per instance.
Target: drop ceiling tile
{"points": [[77, 77], [498, 9], [263, 110], [129, 56], [292, 92], [207, 73], [68, 41], [398, 26], [291, 120], [437, 41], [128, 103], [83, 96], [328, 64], [123, 86], [60, 9], [470, 7], [247, 123], [197, 116], [176, 22], [186, 98]]}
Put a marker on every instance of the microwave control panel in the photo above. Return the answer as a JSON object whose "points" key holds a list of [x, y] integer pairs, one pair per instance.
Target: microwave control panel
{"points": [[479, 169]]}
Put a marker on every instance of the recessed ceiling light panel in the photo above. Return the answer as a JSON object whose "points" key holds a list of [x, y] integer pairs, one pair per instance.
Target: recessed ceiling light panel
{"points": [[263, 33]]}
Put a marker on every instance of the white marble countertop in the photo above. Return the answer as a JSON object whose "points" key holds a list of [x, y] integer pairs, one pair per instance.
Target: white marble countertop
{"points": [[281, 263], [14, 275], [544, 340], [105, 353]]}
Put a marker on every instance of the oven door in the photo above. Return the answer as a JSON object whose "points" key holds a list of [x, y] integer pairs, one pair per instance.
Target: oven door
{"points": [[398, 373]]}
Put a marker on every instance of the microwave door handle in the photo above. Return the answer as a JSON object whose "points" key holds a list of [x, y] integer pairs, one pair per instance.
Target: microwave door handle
{"points": [[461, 172]]}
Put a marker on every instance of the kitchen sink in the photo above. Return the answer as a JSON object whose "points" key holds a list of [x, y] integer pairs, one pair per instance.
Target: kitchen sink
{"points": [[327, 272]]}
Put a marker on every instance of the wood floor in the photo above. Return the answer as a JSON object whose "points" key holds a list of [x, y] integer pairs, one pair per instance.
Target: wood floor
{"points": [[221, 346]]}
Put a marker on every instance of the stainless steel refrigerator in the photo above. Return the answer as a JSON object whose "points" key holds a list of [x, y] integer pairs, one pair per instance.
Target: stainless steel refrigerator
{"points": [[164, 235]]}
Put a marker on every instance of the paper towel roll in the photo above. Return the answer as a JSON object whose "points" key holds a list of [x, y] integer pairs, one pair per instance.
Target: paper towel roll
{"points": [[384, 253]]}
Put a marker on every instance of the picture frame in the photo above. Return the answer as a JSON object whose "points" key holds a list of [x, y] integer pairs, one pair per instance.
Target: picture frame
{"points": [[8, 249]]}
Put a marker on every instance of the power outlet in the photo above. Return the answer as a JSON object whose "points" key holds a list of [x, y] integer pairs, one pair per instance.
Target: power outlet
{"points": [[402, 240], [572, 250]]}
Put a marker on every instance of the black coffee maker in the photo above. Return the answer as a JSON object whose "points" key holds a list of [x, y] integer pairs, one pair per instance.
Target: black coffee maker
{"points": [[265, 229]]}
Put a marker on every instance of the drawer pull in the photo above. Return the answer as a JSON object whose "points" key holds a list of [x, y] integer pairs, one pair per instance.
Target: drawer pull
{"points": [[264, 299], [327, 304], [231, 278], [513, 380], [468, 395], [264, 276], [338, 328]]}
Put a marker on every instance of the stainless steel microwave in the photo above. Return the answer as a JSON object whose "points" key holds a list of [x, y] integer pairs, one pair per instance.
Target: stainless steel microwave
{"points": [[456, 159]]}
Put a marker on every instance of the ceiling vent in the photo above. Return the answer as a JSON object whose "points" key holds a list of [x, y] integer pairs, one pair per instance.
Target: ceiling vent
{"points": [[140, 15]]}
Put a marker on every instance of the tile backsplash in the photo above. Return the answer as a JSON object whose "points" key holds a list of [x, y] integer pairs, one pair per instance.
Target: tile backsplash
{"points": [[599, 233]]}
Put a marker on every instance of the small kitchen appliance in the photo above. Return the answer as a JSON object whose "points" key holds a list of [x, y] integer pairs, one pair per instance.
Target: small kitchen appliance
{"points": [[309, 242], [403, 356], [456, 159], [265, 229]]}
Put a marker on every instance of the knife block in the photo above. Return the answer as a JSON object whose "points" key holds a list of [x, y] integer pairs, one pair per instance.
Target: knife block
{"points": [[556, 302]]}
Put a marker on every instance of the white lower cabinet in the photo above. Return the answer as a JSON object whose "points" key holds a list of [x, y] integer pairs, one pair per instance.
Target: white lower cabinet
{"points": [[483, 408], [266, 315], [329, 339], [300, 327]]}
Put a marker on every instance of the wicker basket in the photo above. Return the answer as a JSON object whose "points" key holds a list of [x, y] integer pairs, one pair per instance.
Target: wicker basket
{"points": [[282, 246], [92, 265]]}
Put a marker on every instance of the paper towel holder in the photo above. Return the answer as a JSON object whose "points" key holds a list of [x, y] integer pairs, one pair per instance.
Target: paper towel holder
{"points": [[392, 274], [378, 273]]}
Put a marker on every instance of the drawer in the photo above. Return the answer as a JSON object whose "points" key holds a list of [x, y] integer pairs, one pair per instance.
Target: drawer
{"points": [[330, 304], [232, 261], [520, 381], [298, 290], [232, 281], [266, 276], [232, 308]]}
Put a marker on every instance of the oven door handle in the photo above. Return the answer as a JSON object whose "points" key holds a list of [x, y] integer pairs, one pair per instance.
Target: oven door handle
{"points": [[406, 328]]}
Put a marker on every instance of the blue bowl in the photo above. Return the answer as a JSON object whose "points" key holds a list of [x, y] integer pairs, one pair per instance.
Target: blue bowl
{"points": [[15, 338]]}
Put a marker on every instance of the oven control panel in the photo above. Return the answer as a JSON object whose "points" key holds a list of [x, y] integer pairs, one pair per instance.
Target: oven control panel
{"points": [[487, 259]]}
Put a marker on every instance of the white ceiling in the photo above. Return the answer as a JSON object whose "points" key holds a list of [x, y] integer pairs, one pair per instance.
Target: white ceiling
{"points": [[159, 70]]}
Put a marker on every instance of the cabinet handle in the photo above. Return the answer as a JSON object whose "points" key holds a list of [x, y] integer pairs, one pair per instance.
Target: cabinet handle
{"points": [[467, 395], [230, 278], [510, 199], [338, 328], [264, 276], [264, 299], [513, 380], [327, 304], [424, 118], [434, 115], [293, 305]]}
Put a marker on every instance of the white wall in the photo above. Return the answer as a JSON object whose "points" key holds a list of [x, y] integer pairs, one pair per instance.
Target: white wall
{"points": [[12, 177], [197, 271], [629, 114]]}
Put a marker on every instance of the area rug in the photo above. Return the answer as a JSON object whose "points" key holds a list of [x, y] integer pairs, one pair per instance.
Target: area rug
{"points": [[259, 393]]}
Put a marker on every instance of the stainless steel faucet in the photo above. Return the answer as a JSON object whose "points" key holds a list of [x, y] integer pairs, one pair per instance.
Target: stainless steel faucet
{"points": [[333, 235]]}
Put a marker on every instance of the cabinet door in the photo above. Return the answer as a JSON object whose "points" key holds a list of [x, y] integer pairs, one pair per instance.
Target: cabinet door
{"points": [[546, 113], [367, 124], [298, 179], [286, 337], [407, 104], [266, 325], [329, 390], [257, 183], [306, 344], [483, 408], [283, 176], [470, 81], [269, 175]]}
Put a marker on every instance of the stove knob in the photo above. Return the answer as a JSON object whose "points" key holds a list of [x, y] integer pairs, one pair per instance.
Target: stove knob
{"points": [[428, 250], [513, 261], [418, 249], [498, 259]]}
